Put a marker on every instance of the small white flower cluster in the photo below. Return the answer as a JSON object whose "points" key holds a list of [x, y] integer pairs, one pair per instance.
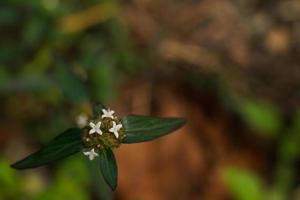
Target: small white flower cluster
{"points": [[95, 129]]}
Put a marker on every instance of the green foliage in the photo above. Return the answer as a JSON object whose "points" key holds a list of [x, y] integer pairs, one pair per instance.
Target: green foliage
{"points": [[289, 148], [44, 64], [65, 144], [70, 182], [65, 188], [39, 64], [244, 185], [101, 188], [4, 77], [261, 116], [72, 88], [108, 167], [101, 81], [145, 128], [137, 129], [9, 181], [57, 60], [288, 155]]}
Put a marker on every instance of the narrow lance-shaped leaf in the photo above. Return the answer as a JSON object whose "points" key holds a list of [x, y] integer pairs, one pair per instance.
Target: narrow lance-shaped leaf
{"points": [[109, 169], [144, 128], [63, 145]]}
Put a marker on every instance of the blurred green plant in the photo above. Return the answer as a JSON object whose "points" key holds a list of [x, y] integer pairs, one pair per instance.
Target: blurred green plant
{"points": [[57, 54], [261, 116], [244, 185], [70, 182], [10, 187], [288, 153]]}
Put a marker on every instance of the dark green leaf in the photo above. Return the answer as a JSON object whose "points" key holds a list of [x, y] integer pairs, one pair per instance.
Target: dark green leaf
{"points": [[97, 109], [109, 169], [144, 128], [65, 144]]}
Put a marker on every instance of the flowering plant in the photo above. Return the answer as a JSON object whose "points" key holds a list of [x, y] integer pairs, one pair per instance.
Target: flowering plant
{"points": [[97, 137]]}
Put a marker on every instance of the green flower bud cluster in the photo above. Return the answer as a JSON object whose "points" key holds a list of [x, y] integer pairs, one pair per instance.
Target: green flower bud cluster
{"points": [[107, 139]]}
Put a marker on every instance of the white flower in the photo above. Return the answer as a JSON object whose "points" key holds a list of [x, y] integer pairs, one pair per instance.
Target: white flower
{"points": [[82, 120], [115, 129], [108, 113], [95, 128], [91, 154]]}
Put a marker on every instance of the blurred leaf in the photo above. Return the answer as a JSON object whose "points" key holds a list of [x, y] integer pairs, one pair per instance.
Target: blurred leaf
{"points": [[50, 5], [40, 63], [123, 53], [71, 87], [87, 18], [4, 77], [102, 79], [289, 147], [9, 182], [288, 154], [101, 188], [7, 175], [145, 128], [108, 167], [261, 116], [65, 144], [8, 16], [75, 169], [244, 185], [64, 188], [28, 84], [55, 123], [284, 178], [38, 29], [70, 182], [97, 108]]}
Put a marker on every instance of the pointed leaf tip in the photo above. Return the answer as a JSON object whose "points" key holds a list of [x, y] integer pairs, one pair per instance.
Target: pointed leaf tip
{"points": [[146, 128], [108, 167], [63, 145]]}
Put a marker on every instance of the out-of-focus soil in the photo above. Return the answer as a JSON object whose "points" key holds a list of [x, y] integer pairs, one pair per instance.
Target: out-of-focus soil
{"points": [[253, 45], [187, 164]]}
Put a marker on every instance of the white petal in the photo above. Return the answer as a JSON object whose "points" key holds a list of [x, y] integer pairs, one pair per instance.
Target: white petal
{"points": [[92, 131], [107, 113], [98, 125], [99, 131], [94, 153], [92, 125], [91, 154], [116, 134], [119, 126]]}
